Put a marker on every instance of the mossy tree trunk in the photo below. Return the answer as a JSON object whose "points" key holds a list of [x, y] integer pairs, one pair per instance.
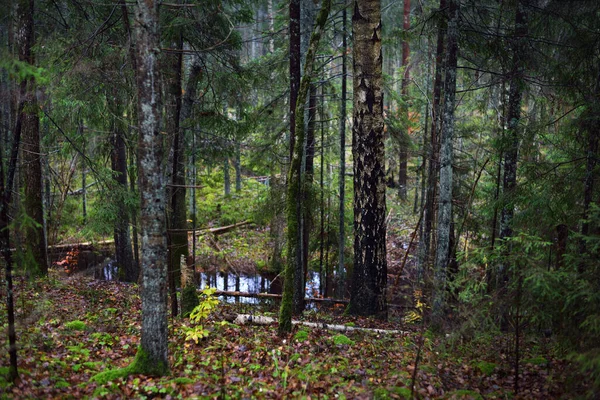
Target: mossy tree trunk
{"points": [[296, 182], [152, 355], [369, 279]]}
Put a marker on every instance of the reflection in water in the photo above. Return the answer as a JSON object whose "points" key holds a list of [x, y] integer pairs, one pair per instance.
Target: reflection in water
{"points": [[249, 284], [108, 271]]}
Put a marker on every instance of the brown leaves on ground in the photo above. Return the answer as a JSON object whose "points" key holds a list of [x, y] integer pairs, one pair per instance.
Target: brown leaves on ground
{"points": [[71, 328]]}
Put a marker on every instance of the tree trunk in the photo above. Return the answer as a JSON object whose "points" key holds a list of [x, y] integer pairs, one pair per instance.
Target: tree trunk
{"points": [[189, 297], [128, 271], [177, 240], [512, 135], [294, 29], [6, 193], [31, 165], [152, 356], [238, 167], [446, 158], [403, 161], [83, 175], [341, 269], [428, 233], [226, 177], [369, 280], [592, 126], [295, 181]]}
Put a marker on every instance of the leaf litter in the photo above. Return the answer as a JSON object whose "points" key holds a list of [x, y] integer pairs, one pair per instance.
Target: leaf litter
{"points": [[71, 327]]}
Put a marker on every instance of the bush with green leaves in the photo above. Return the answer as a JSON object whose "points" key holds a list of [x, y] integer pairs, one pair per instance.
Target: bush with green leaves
{"points": [[200, 313]]}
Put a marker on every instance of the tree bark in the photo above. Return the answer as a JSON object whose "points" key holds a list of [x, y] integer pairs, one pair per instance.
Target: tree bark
{"points": [[6, 193], [512, 135], [403, 161], [295, 181], [176, 240], [31, 164], [446, 158], [428, 233], [189, 298], [369, 280], [152, 356], [128, 270], [294, 33], [341, 269]]}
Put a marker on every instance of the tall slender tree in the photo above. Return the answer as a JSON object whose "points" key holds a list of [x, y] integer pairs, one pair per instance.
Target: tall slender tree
{"points": [[403, 156], [369, 279], [446, 170], [341, 268], [296, 182], [152, 357], [427, 233], [513, 117], [31, 162]]}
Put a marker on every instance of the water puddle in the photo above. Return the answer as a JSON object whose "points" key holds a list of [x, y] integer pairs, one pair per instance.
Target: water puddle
{"points": [[249, 284]]}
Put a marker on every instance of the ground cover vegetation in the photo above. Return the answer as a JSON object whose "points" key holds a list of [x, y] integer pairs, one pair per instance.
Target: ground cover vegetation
{"points": [[149, 150]]}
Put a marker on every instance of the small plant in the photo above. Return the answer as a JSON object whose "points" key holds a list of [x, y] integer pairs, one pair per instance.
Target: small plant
{"points": [[200, 313], [301, 335], [76, 325], [342, 340]]}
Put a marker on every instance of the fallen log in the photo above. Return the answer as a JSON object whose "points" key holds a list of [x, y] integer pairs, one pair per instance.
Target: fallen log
{"points": [[277, 296], [243, 319], [224, 229], [215, 231]]}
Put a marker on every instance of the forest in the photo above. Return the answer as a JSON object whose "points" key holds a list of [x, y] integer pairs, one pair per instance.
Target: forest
{"points": [[354, 199]]}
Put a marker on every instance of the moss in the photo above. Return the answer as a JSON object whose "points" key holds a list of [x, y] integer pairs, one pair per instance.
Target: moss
{"points": [[110, 375], [539, 360], [76, 325], [342, 339], [142, 365], [189, 300], [485, 367], [182, 380], [393, 392], [301, 335]]}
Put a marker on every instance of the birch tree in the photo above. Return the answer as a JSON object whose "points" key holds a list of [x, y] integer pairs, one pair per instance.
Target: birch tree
{"points": [[369, 279]]}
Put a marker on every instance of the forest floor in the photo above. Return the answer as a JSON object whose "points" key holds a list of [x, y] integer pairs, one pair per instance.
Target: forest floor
{"points": [[72, 327]]}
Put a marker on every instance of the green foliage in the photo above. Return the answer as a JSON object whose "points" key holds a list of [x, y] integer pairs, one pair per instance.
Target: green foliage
{"points": [[341, 339], [538, 360], [111, 375], [76, 325], [301, 335], [245, 205], [200, 313], [393, 392], [21, 70], [485, 367]]}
